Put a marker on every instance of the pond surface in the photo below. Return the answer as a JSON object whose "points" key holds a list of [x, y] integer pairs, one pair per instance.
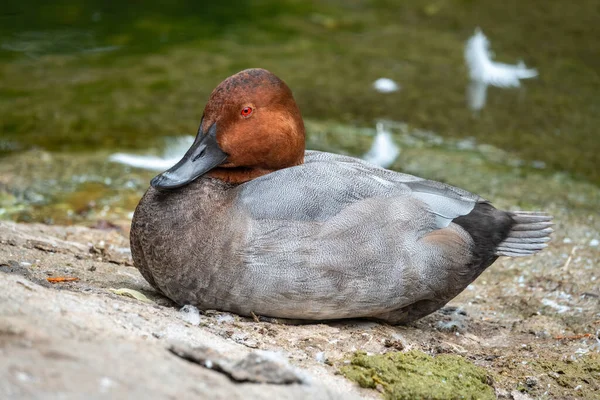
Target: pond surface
{"points": [[80, 80]]}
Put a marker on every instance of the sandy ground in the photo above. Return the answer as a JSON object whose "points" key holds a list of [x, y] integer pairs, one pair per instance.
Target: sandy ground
{"points": [[533, 323]]}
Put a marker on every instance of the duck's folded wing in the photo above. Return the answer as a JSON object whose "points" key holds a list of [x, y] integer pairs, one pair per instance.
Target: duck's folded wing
{"points": [[445, 201], [328, 183]]}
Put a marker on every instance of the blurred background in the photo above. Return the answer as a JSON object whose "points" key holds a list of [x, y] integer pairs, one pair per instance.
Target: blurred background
{"points": [[81, 80]]}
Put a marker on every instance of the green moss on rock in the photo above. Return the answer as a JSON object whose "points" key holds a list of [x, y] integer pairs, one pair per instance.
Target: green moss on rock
{"points": [[582, 373], [415, 375]]}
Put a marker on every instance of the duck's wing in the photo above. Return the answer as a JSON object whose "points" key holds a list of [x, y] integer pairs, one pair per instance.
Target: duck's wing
{"points": [[339, 238], [337, 228], [327, 183]]}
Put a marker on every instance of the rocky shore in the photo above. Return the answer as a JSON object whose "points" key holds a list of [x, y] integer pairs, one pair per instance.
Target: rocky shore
{"points": [[77, 319]]}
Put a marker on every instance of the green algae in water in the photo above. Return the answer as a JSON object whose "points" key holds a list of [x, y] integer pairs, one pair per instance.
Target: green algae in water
{"points": [[415, 375], [78, 75]]}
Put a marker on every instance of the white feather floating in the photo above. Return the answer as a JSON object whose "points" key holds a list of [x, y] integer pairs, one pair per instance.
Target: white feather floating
{"points": [[383, 151], [385, 85], [483, 69], [477, 95], [175, 150]]}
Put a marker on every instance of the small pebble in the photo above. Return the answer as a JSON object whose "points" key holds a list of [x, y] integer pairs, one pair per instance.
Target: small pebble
{"points": [[24, 376], [594, 242], [190, 314], [320, 357], [225, 319], [531, 381], [105, 384]]}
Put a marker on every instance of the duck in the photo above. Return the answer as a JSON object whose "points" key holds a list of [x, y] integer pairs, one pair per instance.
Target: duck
{"points": [[250, 222]]}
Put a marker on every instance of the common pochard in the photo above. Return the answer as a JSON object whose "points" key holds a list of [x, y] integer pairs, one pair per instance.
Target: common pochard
{"points": [[250, 222]]}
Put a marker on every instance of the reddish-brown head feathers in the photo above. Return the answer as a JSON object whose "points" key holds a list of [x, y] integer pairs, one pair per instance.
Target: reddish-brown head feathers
{"points": [[259, 125]]}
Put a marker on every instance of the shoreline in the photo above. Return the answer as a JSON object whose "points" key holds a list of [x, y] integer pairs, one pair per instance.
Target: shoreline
{"points": [[520, 319]]}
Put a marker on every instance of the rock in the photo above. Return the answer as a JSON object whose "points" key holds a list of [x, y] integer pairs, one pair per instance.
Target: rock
{"points": [[26, 236], [264, 367], [13, 267], [73, 339], [516, 395], [531, 381], [258, 367], [68, 345]]}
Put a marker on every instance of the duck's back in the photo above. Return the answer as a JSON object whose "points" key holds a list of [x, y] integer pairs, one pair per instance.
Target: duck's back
{"points": [[332, 238]]}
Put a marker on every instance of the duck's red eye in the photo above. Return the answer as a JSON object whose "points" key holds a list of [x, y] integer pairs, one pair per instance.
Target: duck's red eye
{"points": [[246, 111]]}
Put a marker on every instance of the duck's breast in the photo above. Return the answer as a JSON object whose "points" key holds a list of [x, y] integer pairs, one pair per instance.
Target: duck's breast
{"points": [[187, 241]]}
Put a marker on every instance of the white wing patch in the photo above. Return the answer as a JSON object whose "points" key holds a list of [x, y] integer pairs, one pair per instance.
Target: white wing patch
{"points": [[444, 208]]}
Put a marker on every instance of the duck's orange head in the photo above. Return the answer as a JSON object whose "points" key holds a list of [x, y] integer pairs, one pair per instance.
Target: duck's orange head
{"points": [[251, 126]]}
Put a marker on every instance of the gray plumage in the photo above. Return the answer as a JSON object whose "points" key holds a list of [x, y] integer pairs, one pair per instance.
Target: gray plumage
{"points": [[332, 238]]}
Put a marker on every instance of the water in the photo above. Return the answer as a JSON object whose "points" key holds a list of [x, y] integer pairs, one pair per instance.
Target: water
{"points": [[80, 80]]}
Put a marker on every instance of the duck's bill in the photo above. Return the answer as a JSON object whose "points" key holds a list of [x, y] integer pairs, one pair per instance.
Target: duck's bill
{"points": [[204, 155]]}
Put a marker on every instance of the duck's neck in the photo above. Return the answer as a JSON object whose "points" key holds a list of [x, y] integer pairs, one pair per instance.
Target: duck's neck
{"points": [[237, 175]]}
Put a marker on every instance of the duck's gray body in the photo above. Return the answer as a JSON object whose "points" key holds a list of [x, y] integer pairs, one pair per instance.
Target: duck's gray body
{"points": [[332, 238]]}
